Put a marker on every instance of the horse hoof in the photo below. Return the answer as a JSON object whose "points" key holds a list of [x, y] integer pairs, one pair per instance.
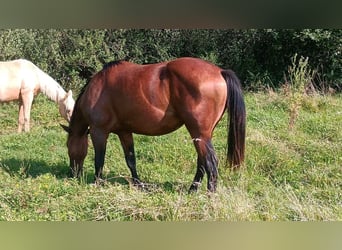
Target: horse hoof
{"points": [[137, 183], [99, 182], [194, 187]]}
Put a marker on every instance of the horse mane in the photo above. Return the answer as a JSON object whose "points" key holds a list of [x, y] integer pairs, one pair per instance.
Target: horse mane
{"points": [[105, 66], [49, 86], [74, 116], [111, 64]]}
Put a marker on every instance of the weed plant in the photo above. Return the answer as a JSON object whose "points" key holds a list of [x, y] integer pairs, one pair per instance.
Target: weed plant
{"points": [[300, 75]]}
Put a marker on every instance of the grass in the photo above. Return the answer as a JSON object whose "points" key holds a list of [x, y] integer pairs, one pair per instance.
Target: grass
{"points": [[288, 175]]}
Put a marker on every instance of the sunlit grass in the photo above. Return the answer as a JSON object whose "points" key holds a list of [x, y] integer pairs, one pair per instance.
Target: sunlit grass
{"points": [[288, 175]]}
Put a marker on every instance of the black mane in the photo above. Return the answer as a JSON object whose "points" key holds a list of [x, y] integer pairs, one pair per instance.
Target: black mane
{"points": [[112, 63]]}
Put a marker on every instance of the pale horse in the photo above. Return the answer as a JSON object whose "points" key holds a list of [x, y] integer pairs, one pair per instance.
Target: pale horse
{"points": [[22, 80]]}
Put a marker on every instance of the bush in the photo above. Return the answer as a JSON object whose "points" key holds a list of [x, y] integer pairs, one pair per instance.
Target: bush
{"points": [[259, 57]]}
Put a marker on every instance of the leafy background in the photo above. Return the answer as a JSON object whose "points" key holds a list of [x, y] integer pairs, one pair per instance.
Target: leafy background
{"points": [[259, 56]]}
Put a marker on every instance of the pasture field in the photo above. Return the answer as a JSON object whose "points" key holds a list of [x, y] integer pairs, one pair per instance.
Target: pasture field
{"points": [[288, 175]]}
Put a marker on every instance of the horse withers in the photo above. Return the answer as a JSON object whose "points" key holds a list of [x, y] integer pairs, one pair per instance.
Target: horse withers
{"points": [[22, 80], [156, 99]]}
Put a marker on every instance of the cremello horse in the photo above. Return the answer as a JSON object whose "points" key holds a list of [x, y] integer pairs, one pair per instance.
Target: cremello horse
{"points": [[22, 80]]}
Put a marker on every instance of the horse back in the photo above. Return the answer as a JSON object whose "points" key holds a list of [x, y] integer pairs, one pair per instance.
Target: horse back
{"points": [[17, 77]]}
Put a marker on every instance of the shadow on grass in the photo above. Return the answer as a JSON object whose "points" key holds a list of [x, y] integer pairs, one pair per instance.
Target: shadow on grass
{"points": [[167, 187], [33, 168], [149, 187]]}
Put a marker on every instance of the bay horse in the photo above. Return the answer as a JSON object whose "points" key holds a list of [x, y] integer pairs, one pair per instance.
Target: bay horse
{"points": [[156, 99], [21, 80]]}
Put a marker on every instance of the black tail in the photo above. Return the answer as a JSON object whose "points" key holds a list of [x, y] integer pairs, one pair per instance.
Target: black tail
{"points": [[237, 120]]}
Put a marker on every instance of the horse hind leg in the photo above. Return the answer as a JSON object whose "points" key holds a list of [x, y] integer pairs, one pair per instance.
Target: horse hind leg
{"points": [[21, 120], [198, 176], [206, 163]]}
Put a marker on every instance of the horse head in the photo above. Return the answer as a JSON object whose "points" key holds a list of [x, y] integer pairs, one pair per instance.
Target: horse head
{"points": [[77, 149], [66, 106]]}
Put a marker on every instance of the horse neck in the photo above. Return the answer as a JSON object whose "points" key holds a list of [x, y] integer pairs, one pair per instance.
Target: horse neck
{"points": [[49, 87], [78, 124]]}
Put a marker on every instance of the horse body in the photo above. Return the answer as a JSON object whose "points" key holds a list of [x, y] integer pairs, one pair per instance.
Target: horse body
{"points": [[22, 80], [154, 99], [11, 81], [161, 96], [150, 97]]}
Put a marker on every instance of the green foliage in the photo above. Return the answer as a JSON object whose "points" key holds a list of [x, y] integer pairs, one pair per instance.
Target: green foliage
{"points": [[286, 177], [72, 56]]}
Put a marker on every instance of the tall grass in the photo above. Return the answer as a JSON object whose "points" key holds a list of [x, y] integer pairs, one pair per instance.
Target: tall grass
{"points": [[286, 176], [300, 75]]}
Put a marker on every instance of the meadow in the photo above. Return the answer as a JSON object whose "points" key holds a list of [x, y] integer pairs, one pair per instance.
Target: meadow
{"points": [[288, 175]]}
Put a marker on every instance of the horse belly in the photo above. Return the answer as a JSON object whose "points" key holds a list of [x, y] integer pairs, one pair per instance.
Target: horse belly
{"points": [[9, 94], [152, 122]]}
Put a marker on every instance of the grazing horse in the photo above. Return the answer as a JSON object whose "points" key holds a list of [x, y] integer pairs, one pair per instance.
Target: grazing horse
{"points": [[22, 80], [156, 99]]}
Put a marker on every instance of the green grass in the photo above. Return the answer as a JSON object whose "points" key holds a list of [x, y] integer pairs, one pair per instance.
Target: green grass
{"points": [[288, 175]]}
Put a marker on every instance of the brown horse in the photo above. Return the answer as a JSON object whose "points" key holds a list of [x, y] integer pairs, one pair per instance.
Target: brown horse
{"points": [[155, 99]]}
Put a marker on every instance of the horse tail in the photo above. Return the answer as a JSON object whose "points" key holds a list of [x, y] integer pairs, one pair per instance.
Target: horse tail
{"points": [[237, 119]]}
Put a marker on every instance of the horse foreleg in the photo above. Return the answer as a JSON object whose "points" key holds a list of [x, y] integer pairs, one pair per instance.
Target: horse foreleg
{"points": [[99, 140], [206, 161], [27, 104], [127, 143]]}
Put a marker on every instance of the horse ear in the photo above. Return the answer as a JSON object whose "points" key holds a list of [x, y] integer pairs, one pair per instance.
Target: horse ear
{"points": [[66, 128], [69, 93]]}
